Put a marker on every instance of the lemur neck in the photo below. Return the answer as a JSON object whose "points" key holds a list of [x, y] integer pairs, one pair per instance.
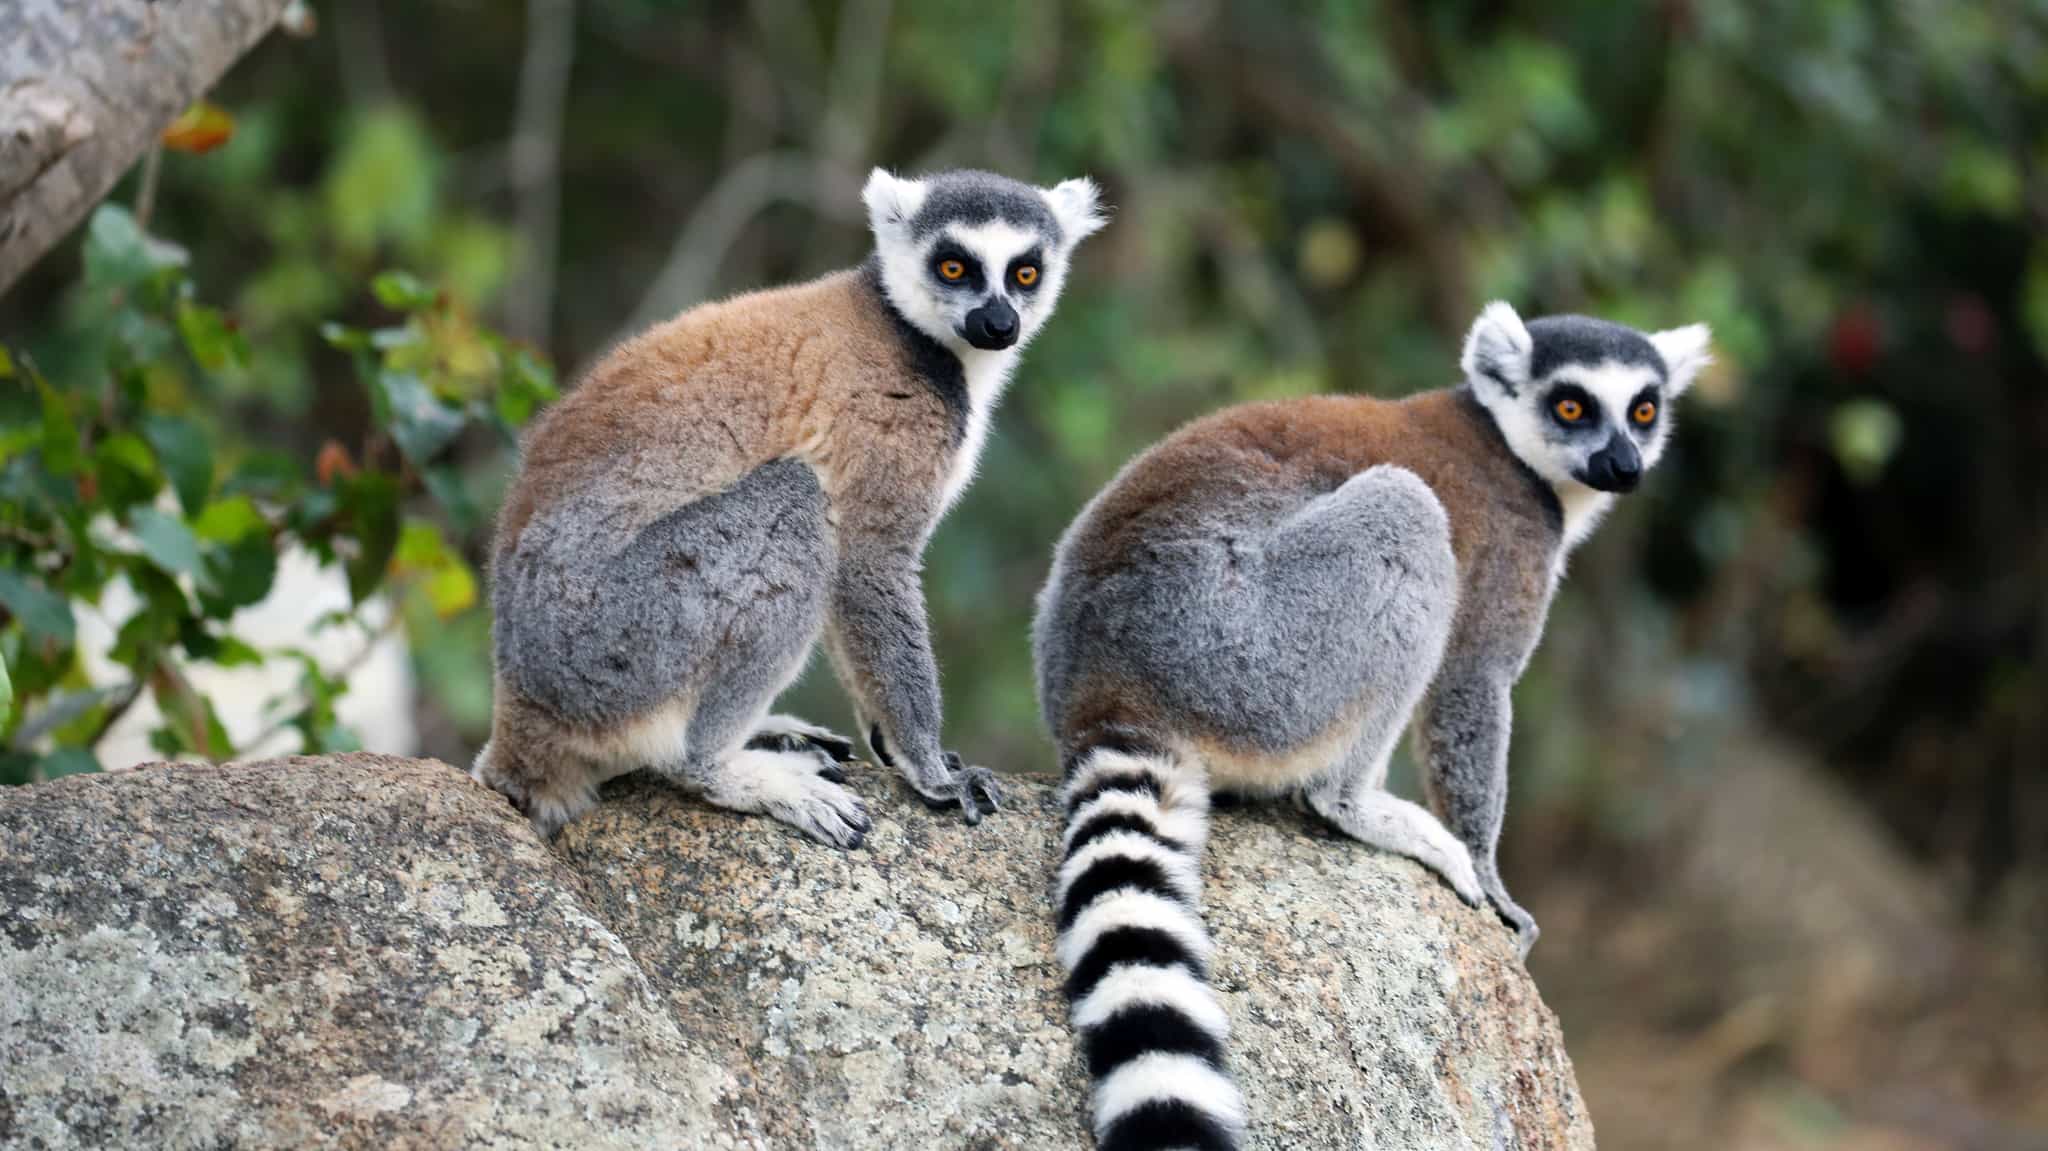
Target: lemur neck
{"points": [[927, 360], [1541, 490]]}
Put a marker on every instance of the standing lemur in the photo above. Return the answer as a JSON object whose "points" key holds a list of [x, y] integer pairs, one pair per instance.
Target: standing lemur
{"points": [[1262, 603], [727, 486]]}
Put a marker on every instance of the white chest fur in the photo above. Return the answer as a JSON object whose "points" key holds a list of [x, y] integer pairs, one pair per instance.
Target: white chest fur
{"points": [[987, 373]]}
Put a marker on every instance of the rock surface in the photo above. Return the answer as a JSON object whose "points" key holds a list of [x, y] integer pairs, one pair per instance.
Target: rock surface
{"points": [[371, 952]]}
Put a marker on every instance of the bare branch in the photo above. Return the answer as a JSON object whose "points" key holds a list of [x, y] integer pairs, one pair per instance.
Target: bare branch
{"points": [[536, 154]]}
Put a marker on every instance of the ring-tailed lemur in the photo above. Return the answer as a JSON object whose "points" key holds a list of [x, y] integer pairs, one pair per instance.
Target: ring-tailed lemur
{"points": [[1262, 603], [730, 484]]}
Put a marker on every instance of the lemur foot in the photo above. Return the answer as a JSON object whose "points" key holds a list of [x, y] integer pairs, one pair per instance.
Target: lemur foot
{"points": [[804, 789], [969, 788], [788, 733], [1523, 923]]}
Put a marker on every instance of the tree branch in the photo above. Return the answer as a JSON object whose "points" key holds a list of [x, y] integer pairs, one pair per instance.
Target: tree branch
{"points": [[95, 83], [536, 154]]}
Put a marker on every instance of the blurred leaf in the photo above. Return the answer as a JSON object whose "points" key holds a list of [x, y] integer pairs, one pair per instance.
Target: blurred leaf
{"points": [[402, 291], [420, 424], [370, 500], [6, 694], [63, 453], [227, 520], [199, 129], [381, 186], [168, 543], [449, 584], [69, 761], [118, 254], [186, 455], [208, 337], [241, 574], [6, 364], [42, 613], [1865, 434]]}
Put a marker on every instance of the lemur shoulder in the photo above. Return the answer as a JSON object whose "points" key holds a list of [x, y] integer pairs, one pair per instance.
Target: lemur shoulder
{"points": [[1263, 603], [727, 488]]}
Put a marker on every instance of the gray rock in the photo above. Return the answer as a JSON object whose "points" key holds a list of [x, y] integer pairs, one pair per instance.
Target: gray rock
{"points": [[369, 952]]}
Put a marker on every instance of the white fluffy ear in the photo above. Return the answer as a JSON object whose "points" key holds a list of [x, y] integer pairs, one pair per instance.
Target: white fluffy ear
{"points": [[1685, 352], [1497, 349], [1077, 205], [891, 202]]}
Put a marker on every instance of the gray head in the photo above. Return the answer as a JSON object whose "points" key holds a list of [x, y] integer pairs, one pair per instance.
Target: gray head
{"points": [[1584, 402], [976, 260]]}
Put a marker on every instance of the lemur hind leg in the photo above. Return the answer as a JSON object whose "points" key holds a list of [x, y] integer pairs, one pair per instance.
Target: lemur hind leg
{"points": [[756, 562], [1351, 800], [1400, 622]]}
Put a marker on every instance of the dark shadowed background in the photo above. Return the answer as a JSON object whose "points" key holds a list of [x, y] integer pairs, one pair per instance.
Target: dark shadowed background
{"points": [[1780, 796]]}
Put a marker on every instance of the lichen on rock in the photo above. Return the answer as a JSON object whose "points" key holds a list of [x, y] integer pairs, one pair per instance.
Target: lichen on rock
{"points": [[361, 951]]}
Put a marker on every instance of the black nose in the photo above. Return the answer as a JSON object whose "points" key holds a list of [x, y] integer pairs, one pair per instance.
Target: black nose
{"points": [[992, 326], [1617, 467]]}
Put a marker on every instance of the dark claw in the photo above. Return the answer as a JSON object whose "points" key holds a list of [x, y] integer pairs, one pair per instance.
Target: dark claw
{"points": [[832, 774]]}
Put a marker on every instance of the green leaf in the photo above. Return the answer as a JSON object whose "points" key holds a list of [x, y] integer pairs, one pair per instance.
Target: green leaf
{"points": [[381, 185], [344, 337], [43, 614], [420, 424], [69, 761], [6, 364], [526, 384], [448, 583], [402, 291], [6, 694], [241, 574], [63, 452], [370, 500], [118, 254], [167, 542], [227, 520], [187, 458], [234, 653], [208, 337], [126, 469]]}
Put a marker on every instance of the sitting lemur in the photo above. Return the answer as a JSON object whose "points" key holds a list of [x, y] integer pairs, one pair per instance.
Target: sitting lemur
{"points": [[1261, 604], [730, 485]]}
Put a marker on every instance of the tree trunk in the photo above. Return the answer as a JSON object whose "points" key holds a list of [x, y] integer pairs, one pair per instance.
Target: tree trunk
{"points": [[85, 87]]}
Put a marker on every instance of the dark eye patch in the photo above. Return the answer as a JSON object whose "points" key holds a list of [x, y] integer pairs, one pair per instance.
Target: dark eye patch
{"points": [[1565, 393], [1655, 399], [1035, 258], [946, 250]]}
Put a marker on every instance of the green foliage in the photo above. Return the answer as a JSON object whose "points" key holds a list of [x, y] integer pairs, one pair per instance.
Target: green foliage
{"points": [[118, 471]]}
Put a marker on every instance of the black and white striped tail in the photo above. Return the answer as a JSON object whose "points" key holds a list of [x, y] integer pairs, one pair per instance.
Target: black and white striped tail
{"points": [[1137, 957]]}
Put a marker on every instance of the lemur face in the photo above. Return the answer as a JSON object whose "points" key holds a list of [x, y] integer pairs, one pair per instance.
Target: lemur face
{"points": [[975, 260], [1584, 402]]}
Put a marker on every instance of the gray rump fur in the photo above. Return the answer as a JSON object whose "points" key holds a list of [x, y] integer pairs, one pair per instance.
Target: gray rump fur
{"points": [[599, 630], [1265, 622]]}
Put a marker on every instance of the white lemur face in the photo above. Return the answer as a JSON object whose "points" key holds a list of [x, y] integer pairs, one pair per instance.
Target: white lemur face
{"points": [[1584, 402], [975, 260]]}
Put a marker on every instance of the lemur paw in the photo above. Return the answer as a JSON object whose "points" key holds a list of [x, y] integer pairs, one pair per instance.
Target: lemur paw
{"points": [[1523, 923], [971, 788], [788, 733], [825, 810]]}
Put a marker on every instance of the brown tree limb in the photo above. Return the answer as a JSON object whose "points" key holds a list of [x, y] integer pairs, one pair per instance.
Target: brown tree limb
{"points": [[85, 87]]}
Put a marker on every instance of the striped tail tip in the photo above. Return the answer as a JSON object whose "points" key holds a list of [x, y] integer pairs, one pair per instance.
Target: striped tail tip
{"points": [[1128, 901]]}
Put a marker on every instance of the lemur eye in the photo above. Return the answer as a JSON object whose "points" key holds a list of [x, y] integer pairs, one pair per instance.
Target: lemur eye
{"points": [[1645, 412], [1569, 410], [951, 269], [1025, 275]]}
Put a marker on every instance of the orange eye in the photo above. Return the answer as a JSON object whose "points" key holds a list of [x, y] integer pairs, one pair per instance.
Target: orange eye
{"points": [[1025, 275], [1569, 410], [951, 269], [1645, 412]]}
